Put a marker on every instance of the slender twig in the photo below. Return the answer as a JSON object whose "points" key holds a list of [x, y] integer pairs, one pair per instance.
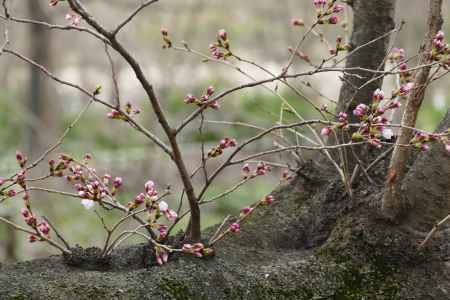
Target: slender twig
{"points": [[132, 15], [57, 233]]}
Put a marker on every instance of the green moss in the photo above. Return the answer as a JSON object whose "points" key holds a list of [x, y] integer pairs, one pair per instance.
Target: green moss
{"points": [[177, 290]]}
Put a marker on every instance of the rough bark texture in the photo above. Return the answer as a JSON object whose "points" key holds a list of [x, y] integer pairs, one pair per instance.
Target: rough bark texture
{"points": [[427, 185], [313, 243], [393, 202], [371, 20]]}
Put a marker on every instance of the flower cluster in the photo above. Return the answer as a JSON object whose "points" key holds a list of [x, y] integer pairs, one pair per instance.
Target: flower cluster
{"points": [[128, 110], [197, 249], [372, 127], [327, 11], [421, 140], [221, 48], [204, 99], [342, 118], [340, 46], [440, 50], [73, 18], [224, 144], [261, 169], [41, 229], [398, 57]]}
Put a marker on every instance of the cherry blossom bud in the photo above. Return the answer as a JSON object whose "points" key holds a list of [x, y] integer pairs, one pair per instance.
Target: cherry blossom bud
{"points": [[324, 108], [375, 142], [268, 200], [25, 212], [44, 228], [161, 255], [338, 8], [406, 88], [360, 110], [140, 199], [342, 117], [297, 22], [30, 220], [11, 193], [162, 229], [210, 91], [2, 181], [333, 20], [246, 170], [439, 35], [32, 238], [235, 227], [326, 131], [117, 183], [245, 211], [21, 159], [189, 99], [378, 95], [223, 34]]}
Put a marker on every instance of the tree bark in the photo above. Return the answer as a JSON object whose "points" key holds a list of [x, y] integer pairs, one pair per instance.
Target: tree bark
{"points": [[393, 202], [371, 19], [427, 185]]}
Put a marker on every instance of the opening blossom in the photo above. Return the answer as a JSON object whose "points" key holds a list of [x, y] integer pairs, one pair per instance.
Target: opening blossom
{"points": [[168, 213]]}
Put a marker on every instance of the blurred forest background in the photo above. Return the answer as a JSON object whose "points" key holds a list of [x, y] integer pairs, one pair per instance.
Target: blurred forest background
{"points": [[34, 110]]}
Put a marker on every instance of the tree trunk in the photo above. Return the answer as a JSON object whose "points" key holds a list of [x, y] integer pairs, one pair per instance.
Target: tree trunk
{"points": [[393, 200], [43, 121], [371, 20]]}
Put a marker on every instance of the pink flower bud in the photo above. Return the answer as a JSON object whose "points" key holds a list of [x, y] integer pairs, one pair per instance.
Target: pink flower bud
{"points": [[11, 193], [235, 227], [32, 238], [117, 183], [326, 131], [439, 35], [268, 200], [297, 22], [338, 8], [406, 88], [246, 169], [2, 181], [333, 20], [189, 99], [44, 228], [378, 95], [210, 91], [25, 212], [140, 198], [246, 210], [223, 34]]}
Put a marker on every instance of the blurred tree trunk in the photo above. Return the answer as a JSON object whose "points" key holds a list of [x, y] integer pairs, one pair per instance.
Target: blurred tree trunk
{"points": [[41, 96]]}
